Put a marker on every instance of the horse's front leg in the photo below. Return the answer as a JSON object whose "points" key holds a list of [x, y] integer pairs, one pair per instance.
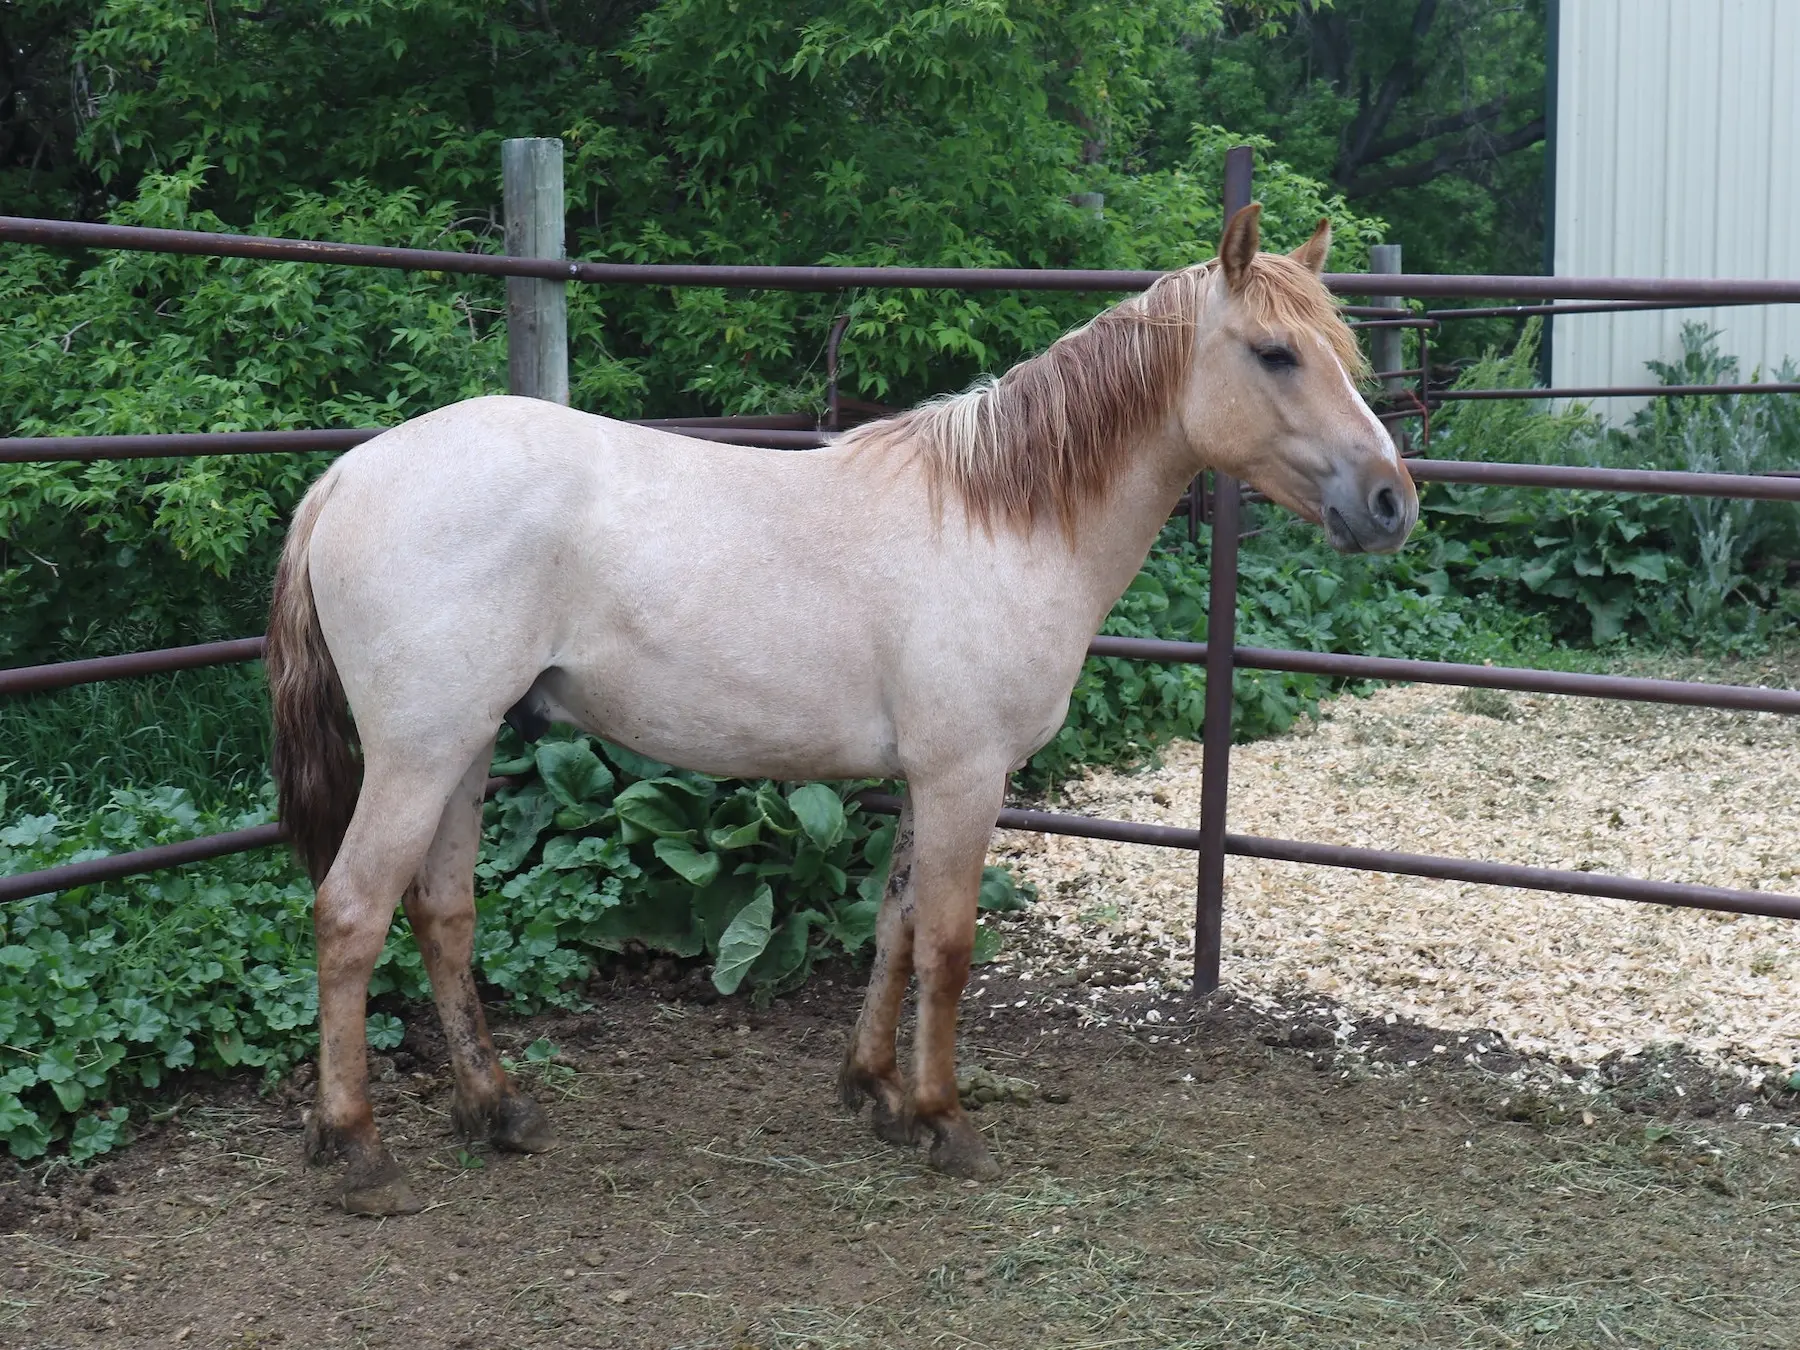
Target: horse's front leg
{"points": [[954, 825], [870, 1070]]}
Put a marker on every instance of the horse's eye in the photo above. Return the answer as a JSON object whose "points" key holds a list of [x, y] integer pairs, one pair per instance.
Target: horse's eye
{"points": [[1275, 356]]}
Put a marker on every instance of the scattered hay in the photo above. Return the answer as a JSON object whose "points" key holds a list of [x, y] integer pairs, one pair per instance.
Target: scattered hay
{"points": [[1668, 793]]}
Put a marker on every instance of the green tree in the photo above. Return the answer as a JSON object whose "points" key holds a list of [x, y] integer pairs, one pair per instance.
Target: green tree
{"points": [[1426, 113]]}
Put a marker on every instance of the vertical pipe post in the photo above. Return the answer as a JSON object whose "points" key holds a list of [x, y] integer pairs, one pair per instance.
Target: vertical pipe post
{"points": [[1221, 634], [1425, 389], [537, 311]]}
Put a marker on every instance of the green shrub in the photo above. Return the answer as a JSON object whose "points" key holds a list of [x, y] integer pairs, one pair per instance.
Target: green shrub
{"points": [[205, 731], [1605, 566]]}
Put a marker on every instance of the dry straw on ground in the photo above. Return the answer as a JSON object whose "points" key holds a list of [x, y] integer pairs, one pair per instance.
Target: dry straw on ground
{"points": [[1674, 794]]}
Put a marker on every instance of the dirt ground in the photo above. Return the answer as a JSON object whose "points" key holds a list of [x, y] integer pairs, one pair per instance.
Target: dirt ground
{"points": [[1178, 1175]]}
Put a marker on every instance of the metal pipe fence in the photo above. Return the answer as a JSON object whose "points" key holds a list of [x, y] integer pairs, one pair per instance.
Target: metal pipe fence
{"points": [[1221, 655]]}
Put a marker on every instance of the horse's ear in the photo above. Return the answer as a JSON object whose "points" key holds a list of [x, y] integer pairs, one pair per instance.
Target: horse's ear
{"points": [[1312, 254], [1243, 234]]}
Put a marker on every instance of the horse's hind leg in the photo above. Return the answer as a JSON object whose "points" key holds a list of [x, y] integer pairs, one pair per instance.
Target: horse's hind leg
{"points": [[397, 817], [440, 905], [870, 1069]]}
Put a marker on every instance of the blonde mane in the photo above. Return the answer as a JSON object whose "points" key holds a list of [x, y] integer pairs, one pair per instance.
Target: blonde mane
{"points": [[1051, 434]]}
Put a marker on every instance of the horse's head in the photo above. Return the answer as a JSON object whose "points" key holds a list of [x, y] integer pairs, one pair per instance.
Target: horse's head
{"points": [[1272, 400]]}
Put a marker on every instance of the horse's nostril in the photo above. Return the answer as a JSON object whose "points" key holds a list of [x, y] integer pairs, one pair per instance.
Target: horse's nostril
{"points": [[1384, 506]]}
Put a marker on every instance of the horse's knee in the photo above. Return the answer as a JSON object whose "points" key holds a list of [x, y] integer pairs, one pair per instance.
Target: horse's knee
{"points": [[346, 928]]}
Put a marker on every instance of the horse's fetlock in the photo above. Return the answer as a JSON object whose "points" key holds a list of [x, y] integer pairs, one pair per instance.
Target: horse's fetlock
{"points": [[894, 1123], [327, 1140]]}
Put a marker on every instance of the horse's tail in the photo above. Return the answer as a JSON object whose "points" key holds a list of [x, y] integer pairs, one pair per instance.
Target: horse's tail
{"points": [[318, 773]]}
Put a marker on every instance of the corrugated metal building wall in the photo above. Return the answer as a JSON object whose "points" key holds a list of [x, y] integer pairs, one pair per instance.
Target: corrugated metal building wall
{"points": [[1677, 128]]}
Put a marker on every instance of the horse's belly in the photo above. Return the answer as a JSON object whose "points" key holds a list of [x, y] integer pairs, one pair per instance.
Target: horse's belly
{"points": [[810, 729]]}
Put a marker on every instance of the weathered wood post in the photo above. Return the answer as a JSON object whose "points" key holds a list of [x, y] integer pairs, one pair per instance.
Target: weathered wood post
{"points": [[537, 311], [1384, 343]]}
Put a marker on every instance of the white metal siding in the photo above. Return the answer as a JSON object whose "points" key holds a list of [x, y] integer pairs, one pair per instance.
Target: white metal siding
{"points": [[1678, 123]]}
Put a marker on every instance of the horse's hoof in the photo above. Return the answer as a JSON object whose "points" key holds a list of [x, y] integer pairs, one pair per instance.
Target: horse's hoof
{"points": [[522, 1126], [373, 1182], [382, 1200], [959, 1151]]}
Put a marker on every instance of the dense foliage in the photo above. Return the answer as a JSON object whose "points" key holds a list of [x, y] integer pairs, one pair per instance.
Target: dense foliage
{"points": [[1697, 572], [710, 130]]}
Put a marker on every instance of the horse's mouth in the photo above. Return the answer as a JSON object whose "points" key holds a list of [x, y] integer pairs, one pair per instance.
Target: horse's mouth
{"points": [[1338, 531]]}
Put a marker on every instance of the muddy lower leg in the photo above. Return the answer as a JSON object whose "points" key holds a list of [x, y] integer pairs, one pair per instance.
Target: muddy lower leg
{"points": [[397, 816], [440, 905], [953, 832], [350, 932], [870, 1068]]}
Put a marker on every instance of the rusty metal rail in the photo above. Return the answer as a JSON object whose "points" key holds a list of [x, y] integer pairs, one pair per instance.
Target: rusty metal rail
{"points": [[93, 871], [1618, 391], [205, 243], [1598, 307], [1682, 894], [82, 449], [94, 669]]}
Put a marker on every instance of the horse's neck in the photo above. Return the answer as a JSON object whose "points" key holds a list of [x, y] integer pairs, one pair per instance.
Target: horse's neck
{"points": [[1115, 534]]}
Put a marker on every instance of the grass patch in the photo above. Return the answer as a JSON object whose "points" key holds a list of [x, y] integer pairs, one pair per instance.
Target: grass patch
{"points": [[203, 731]]}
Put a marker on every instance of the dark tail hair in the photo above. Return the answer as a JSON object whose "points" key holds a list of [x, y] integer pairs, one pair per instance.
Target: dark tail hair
{"points": [[318, 772]]}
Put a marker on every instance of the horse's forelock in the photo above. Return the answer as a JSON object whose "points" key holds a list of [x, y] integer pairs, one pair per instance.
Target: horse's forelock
{"points": [[1050, 435], [1281, 292]]}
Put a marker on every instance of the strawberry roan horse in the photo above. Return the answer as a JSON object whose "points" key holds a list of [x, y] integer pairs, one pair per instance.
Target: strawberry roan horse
{"points": [[912, 602]]}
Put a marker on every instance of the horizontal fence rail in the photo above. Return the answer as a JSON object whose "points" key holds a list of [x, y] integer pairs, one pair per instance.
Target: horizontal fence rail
{"points": [[94, 669], [1682, 894], [1768, 487], [1519, 679], [1618, 391], [206, 243], [1595, 307], [83, 449], [1730, 697], [93, 871]]}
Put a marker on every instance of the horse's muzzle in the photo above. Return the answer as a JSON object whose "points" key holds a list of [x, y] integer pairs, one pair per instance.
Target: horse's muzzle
{"points": [[1369, 513]]}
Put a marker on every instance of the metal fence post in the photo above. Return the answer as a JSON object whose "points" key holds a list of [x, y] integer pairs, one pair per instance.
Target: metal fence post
{"points": [[1221, 634], [537, 311]]}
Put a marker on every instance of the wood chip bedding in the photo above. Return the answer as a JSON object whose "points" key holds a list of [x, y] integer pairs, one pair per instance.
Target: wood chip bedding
{"points": [[1669, 793]]}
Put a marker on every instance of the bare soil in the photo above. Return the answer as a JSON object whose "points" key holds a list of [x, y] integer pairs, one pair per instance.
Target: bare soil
{"points": [[1179, 1174]]}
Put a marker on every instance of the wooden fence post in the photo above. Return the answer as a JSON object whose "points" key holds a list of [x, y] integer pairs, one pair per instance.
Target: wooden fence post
{"points": [[1384, 343], [537, 311]]}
